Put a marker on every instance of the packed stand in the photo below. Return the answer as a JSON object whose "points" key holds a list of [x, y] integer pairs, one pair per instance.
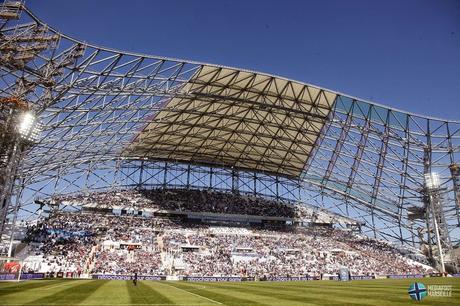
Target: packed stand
{"points": [[296, 252], [97, 243], [184, 200], [105, 243]]}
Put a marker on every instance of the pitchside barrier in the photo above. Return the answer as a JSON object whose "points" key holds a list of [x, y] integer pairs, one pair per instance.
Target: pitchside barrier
{"points": [[290, 278], [23, 276], [30, 276], [306, 278], [128, 277], [217, 279], [406, 276], [10, 268]]}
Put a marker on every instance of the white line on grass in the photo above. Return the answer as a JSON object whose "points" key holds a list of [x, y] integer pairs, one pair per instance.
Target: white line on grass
{"points": [[195, 294], [197, 288]]}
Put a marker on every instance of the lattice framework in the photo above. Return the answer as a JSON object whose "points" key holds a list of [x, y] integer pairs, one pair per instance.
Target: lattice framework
{"points": [[351, 156]]}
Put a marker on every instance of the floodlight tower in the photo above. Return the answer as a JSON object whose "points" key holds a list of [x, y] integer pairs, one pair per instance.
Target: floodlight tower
{"points": [[437, 230], [434, 206], [455, 174], [20, 46], [19, 130]]}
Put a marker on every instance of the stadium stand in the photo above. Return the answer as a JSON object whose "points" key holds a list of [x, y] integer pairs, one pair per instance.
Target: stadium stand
{"points": [[100, 242], [187, 200], [76, 118], [183, 201]]}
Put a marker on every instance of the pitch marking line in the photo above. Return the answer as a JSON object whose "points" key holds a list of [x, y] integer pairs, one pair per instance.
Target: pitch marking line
{"points": [[198, 288], [195, 294]]}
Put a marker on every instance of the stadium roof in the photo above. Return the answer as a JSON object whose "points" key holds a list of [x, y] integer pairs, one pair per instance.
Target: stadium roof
{"points": [[103, 111], [239, 119]]}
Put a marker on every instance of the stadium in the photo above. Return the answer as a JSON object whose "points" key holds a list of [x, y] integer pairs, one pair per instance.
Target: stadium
{"points": [[130, 179]]}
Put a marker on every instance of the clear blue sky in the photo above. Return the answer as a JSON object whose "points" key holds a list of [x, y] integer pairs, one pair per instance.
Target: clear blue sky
{"points": [[404, 54]]}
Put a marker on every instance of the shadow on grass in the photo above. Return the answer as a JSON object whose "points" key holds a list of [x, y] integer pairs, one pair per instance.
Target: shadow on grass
{"points": [[143, 294], [70, 295], [23, 287], [226, 299]]}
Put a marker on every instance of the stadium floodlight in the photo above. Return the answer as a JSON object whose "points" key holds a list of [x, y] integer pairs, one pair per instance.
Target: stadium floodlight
{"points": [[432, 180], [26, 124], [29, 128], [432, 185]]}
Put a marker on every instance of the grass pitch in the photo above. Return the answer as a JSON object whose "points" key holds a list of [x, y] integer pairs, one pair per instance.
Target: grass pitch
{"points": [[102, 292]]}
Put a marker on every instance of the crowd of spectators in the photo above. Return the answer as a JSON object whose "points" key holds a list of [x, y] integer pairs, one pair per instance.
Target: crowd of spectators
{"points": [[102, 242], [3, 249], [109, 199], [296, 252], [183, 200], [97, 243], [127, 262], [64, 240]]}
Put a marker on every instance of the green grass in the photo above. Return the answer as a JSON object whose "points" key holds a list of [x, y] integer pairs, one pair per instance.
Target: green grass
{"points": [[102, 292]]}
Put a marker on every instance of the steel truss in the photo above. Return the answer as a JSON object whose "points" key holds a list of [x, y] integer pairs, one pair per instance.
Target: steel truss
{"points": [[362, 160]]}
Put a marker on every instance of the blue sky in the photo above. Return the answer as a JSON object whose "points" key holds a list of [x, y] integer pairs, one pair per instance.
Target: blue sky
{"points": [[405, 54]]}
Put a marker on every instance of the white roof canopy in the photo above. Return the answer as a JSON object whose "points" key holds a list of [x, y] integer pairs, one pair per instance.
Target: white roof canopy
{"points": [[237, 119]]}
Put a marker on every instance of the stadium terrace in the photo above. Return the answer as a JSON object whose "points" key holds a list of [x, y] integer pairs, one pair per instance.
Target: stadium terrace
{"points": [[116, 165]]}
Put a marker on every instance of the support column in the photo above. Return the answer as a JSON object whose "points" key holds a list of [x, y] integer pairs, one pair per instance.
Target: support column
{"points": [[165, 175], [235, 183], [141, 174]]}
